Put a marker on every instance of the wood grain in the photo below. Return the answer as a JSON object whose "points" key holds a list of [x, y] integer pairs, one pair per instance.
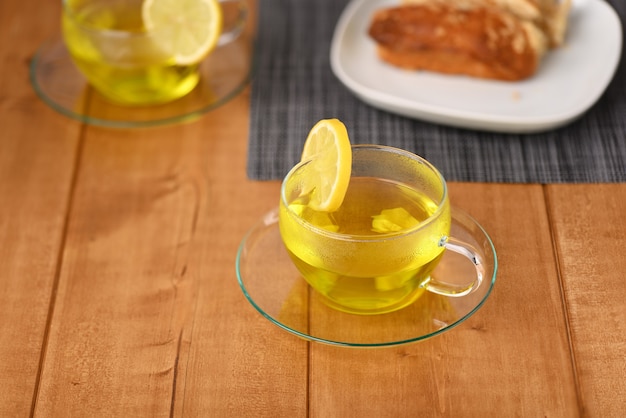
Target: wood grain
{"points": [[149, 318], [590, 236], [239, 364], [37, 157]]}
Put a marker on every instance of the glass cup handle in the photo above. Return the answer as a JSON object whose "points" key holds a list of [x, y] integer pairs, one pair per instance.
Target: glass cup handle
{"points": [[456, 290], [235, 17]]}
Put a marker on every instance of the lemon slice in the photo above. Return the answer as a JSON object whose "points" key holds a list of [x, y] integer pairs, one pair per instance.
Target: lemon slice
{"points": [[186, 30], [328, 148]]}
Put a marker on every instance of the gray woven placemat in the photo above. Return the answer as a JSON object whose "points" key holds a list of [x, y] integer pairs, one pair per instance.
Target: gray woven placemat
{"points": [[294, 87]]}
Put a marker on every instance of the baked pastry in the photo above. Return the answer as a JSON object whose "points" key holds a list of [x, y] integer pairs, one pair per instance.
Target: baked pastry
{"points": [[495, 39], [550, 16]]}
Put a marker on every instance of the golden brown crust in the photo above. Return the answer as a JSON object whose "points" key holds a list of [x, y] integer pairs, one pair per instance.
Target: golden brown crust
{"points": [[479, 42], [549, 16]]}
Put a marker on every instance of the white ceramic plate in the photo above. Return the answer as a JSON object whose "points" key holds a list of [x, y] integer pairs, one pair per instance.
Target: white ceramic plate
{"points": [[569, 80]]}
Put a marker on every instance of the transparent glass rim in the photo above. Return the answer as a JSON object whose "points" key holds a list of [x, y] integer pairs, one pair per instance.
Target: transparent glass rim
{"points": [[70, 13], [379, 236]]}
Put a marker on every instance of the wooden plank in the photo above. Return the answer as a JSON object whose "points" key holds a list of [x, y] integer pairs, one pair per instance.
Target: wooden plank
{"points": [[149, 318], [590, 235], [38, 150], [511, 358], [239, 364]]}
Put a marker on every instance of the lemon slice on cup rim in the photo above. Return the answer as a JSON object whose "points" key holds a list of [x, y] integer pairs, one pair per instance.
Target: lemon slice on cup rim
{"points": [[187, 30], [328, 150]]}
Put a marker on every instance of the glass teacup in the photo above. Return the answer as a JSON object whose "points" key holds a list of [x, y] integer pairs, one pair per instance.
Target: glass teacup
{"points": [[125, 62], [377, 252]]}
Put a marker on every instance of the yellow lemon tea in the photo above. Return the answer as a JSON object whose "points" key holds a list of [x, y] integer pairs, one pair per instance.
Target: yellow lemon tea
{"points": [[111, 47], [375, 252]]}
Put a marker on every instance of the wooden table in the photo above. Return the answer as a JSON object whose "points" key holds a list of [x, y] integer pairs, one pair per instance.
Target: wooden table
{"points": [[118, 294]]}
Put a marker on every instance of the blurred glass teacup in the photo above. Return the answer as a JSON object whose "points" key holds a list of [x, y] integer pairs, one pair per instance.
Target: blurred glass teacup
{"points": [[145, 52]]}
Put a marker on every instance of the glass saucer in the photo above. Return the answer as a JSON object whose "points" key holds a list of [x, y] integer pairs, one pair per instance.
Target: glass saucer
{"points": [[273, 285], [59, 84]]}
